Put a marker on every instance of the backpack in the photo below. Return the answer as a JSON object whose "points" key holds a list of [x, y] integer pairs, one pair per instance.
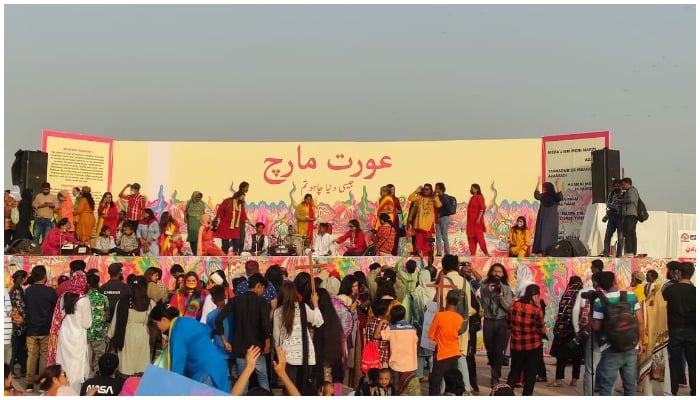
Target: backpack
{"points": [[462, 308], [14, 215], [370, 357], [619, 324], [450, 204], [642, 213]]}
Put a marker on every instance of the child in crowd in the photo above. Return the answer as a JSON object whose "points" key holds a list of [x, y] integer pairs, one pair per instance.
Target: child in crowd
{"points": [[326, 389], [444, 331], [373, 331], [218, 296], [106, 383], [105, 243], [383, 387], [371, 379], [403, 342], [129, 244]]}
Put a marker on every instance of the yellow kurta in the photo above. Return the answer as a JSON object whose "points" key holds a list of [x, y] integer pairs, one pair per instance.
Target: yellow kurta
{"points": [[386, 206], [425, 214], [302, 217], [519, 242], [85, 224]]}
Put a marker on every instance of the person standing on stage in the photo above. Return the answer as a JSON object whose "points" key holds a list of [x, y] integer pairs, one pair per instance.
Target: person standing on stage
{"points": [[44, 203], [398, 217], [475, 221], [613, 216], [231, 215], [547, 225], [443, 241], [135, 204], [427, 204], [194, 209], [305, 216], [629, 203]]}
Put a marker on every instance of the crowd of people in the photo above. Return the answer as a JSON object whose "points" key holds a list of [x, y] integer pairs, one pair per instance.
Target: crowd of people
{"points": [[381, 334], [127, 227]]}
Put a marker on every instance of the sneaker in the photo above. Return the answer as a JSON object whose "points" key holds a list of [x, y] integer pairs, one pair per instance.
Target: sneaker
{"points": [[29, 389]]}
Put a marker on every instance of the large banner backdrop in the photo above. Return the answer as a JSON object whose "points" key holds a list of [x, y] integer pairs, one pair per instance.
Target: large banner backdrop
{"points": [[343, 177]]}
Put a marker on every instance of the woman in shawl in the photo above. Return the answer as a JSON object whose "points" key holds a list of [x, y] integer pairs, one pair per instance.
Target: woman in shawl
{"points": [[190, 351], [128, 331], [168, 229], [147, 233], [190, 299], [231, 215], [25, 216], [386, 205], [85, 211], [306, 215], [547, 225], [72, 317], [107, 214], [475, 221], [519, 239], [194, 209], [563, 347], [66, 208], [205, 239]]}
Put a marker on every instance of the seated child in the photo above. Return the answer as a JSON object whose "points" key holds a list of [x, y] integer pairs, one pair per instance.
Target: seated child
{"points": [[105, 242], [383, 387], [129, 244]]}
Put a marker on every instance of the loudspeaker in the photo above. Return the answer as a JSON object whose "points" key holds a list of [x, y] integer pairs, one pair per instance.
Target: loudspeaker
{"points": [[605, 168], [29, 170]]}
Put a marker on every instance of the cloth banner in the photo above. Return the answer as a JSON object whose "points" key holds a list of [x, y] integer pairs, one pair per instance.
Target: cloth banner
{"points": [[159, 382], [431, 310]]}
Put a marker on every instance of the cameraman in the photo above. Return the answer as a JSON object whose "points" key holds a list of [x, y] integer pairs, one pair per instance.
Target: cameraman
{"points": [[613, 216], [496, 297], [582, 317]]}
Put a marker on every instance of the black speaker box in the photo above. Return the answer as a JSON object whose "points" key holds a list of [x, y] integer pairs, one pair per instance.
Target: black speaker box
{"points": [[29, 170], [605, 168]]}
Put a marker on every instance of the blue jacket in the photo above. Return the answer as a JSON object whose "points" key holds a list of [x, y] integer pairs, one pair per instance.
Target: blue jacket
{"points": [[192, 354]]}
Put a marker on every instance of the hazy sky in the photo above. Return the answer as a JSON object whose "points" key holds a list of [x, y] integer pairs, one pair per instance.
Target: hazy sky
{"points": [[420, 72]]}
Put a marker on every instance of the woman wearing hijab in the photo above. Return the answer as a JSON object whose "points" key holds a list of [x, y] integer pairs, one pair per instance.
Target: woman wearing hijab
{"points": [[72, 317], [547, 225], [107, 214], [25, 216], [147, 233], [205, 239], [85, 211], [194, 209], [563, 346], [66, 208], [190, 299], [475, 221], [128, 331]]}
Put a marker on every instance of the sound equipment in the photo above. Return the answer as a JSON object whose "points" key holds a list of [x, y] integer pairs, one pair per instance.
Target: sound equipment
{"points": [[29, 170], [571, 247], [605, 168]]}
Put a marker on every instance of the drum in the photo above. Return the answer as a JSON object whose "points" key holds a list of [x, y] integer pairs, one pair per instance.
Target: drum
{"points": [[297, 243]]}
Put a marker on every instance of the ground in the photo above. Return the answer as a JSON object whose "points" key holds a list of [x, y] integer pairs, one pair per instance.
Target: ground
{"points": [[483, 378]]}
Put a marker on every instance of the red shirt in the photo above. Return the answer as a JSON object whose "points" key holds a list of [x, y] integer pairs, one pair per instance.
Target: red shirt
{"points": [[526, 326], [135, 206], [359, 244], [385, 239]]}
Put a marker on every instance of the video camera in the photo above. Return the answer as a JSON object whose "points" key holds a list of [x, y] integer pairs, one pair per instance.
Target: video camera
{"points": [[589, 295]]}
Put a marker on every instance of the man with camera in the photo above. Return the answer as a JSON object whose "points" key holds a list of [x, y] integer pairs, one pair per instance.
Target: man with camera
{"points": [[581, 318], [613, 216], [496, 297]]}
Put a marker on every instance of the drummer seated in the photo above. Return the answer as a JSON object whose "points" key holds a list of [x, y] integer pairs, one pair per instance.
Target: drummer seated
{"points": [[323, 245], [259, 242]]}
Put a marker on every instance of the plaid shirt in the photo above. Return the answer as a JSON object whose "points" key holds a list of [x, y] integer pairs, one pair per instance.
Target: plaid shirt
{"points": [[526, 325], [382, 344], [135, 206]]}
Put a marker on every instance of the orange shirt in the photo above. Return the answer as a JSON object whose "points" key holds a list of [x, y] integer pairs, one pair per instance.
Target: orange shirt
{"points": [[444, 332]]}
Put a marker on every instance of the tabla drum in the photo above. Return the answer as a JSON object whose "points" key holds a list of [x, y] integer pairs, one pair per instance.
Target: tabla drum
{"points": [[297, 243]]}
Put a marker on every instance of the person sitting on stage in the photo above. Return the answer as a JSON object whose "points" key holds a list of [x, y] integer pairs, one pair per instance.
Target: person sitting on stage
{"points": [[357, 245], [519, 239], [385, 236], [57, 237], [129, 243], [205, 242], [323, 243], [105, 242], [259, 242]]}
